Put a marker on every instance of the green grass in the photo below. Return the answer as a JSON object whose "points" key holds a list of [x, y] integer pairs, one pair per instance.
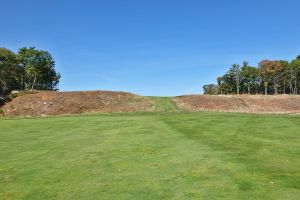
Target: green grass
{"points": [[151, 156], [164, 104]]}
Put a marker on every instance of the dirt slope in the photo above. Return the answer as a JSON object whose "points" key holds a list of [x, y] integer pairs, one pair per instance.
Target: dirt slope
{"points": [[62, 103], [59, 103], [240, 103]]}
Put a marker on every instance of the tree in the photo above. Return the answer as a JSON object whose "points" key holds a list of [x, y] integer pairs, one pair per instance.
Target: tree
{"points": [[294, 69], [283, 75], [270, 71], [220, 85], [9, 72], [29, 69], [249, 76], [211, 89], [235, 71], [39, 69], [226, 84], [29, 58], [271, 76]]}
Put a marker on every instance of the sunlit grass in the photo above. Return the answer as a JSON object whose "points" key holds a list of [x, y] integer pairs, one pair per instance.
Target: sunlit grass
{"points": [[151, 156]]}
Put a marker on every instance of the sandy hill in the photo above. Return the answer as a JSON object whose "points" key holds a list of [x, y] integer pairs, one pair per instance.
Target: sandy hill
{"points": [[64, 103], [240, 103], [59, 103]]}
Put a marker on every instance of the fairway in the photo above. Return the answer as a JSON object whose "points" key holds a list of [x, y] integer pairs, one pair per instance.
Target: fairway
{"points": [[151, 156]]}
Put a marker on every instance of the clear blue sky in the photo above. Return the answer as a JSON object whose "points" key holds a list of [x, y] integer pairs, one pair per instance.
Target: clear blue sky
{"points": [[151, 47]]}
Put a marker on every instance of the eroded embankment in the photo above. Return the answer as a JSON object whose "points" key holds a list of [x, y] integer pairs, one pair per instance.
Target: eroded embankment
{"points": [[60, 103], [240, 103]]}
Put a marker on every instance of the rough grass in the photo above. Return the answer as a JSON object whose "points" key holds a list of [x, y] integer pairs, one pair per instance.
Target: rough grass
{"points": [[151, 156]]}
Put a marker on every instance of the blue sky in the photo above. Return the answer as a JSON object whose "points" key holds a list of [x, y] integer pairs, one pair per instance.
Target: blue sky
{"points": [[151, 47]]}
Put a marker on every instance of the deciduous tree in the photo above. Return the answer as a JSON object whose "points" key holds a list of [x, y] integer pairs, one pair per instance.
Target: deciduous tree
{"points": [[270, 71], [249, 76]]}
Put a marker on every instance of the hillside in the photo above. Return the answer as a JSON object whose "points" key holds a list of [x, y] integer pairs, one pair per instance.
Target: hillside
{"points": [[239, 103], [64, 103], [61, 103]]}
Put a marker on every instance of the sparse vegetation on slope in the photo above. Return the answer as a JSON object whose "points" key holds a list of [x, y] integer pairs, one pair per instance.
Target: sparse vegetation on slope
{"points": [[240, 103], [63, 103]]}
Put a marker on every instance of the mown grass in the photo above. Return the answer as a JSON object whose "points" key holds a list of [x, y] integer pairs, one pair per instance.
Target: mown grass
{"points": [[151, 156], [164, 104]]}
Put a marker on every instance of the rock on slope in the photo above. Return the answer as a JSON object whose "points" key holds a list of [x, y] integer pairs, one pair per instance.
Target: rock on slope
{"points": [[60, 103], [240, 103]]}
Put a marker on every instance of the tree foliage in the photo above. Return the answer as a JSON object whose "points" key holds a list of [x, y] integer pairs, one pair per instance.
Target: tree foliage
{"points": [[9, 72], [210, 89], [28, 69], [269, 77], [249, 78]]}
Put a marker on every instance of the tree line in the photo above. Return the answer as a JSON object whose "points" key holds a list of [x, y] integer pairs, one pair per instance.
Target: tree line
{"points": [[269, 77], [28, 69]]}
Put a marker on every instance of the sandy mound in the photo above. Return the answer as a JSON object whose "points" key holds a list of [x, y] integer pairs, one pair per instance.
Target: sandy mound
{"points": [[240, 103], [60, 103]]}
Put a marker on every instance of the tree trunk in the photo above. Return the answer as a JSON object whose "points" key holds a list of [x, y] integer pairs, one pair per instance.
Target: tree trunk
{"points": [[33, 81], [275, 88], [256, 91], [248, 89], [284, 87], [22, 82], [237, 89], [291, 80], [296, 89], [266, 88]]}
